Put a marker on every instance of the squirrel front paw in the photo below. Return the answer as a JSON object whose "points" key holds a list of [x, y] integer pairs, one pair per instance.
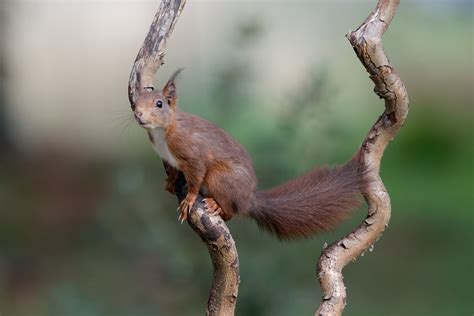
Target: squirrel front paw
{"points": [[185, 206], [170, 185]]}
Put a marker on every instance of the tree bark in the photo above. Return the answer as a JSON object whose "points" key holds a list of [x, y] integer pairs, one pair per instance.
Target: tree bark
{"points": [[225, 260], [152, 53], [367, 44], [212, 229]]}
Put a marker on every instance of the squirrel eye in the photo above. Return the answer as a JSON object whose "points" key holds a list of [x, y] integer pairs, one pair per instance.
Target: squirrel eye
{"points": [[159, 103]]}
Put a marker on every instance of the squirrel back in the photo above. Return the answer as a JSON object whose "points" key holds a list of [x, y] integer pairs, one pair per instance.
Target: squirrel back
{"points": [[313, 202]]}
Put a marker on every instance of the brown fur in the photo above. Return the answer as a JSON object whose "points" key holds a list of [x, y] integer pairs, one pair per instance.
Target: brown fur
{"points": [[218, 167], [312, 203]]}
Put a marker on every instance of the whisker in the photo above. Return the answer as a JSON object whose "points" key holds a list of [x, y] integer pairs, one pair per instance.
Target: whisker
{"points": [[120, 124], [122, 116], [127, 127]]}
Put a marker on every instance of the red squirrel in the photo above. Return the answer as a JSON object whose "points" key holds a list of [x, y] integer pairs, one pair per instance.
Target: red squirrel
{"points": [[216, 166]]}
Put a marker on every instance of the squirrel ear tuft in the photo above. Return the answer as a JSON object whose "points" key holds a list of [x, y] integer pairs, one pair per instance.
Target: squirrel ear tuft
{"points": [[169, 90]]}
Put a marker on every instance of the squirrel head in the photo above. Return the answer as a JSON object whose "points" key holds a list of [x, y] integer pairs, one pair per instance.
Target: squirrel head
{"points": [[156, 109]]}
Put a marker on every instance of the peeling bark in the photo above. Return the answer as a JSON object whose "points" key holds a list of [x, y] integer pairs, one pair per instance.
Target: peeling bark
{"points": [[367, 44], [212, 229]]}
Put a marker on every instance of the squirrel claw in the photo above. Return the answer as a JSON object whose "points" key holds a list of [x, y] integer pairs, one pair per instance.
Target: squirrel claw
{"points": [[182, 217], [212, 207], [184, 208]]}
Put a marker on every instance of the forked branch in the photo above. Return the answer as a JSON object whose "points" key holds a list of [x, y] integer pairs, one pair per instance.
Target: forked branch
{"points": [[367, 44], [212, 230]]}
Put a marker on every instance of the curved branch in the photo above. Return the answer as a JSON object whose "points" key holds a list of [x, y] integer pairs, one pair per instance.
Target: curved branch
{"points": [[225, 260], [225, 285], [212, 230], [367, 44], [152, 53]]}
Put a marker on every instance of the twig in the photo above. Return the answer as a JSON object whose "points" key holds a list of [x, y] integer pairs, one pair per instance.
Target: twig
{"points": [[367, 43], [212, 229]]}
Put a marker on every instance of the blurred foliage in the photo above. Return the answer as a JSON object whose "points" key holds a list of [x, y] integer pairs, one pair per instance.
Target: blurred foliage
{"points": [[88, 237]]}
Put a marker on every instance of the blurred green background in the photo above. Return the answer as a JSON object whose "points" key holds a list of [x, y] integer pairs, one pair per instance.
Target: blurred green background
{"points": [[86, 227]]}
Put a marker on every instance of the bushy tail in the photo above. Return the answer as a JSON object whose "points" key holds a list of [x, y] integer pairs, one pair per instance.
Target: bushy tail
{"points": [[312, 203]]}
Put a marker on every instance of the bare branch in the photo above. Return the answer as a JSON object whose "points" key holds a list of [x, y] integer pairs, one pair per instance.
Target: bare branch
{"points": [[212, 229], [152, 53], [221, 246], [367, 43], [225, 260]]}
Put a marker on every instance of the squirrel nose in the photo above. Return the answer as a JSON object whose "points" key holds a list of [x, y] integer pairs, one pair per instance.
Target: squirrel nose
{"points": [[138, 114]]}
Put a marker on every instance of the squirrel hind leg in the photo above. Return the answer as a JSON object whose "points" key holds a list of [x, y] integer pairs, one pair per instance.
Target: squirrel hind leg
{"points": [[230, 190], [214, 209]]}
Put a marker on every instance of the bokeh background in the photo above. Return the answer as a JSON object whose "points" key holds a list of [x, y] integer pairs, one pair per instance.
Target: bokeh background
{"points": [[86, 227]]}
